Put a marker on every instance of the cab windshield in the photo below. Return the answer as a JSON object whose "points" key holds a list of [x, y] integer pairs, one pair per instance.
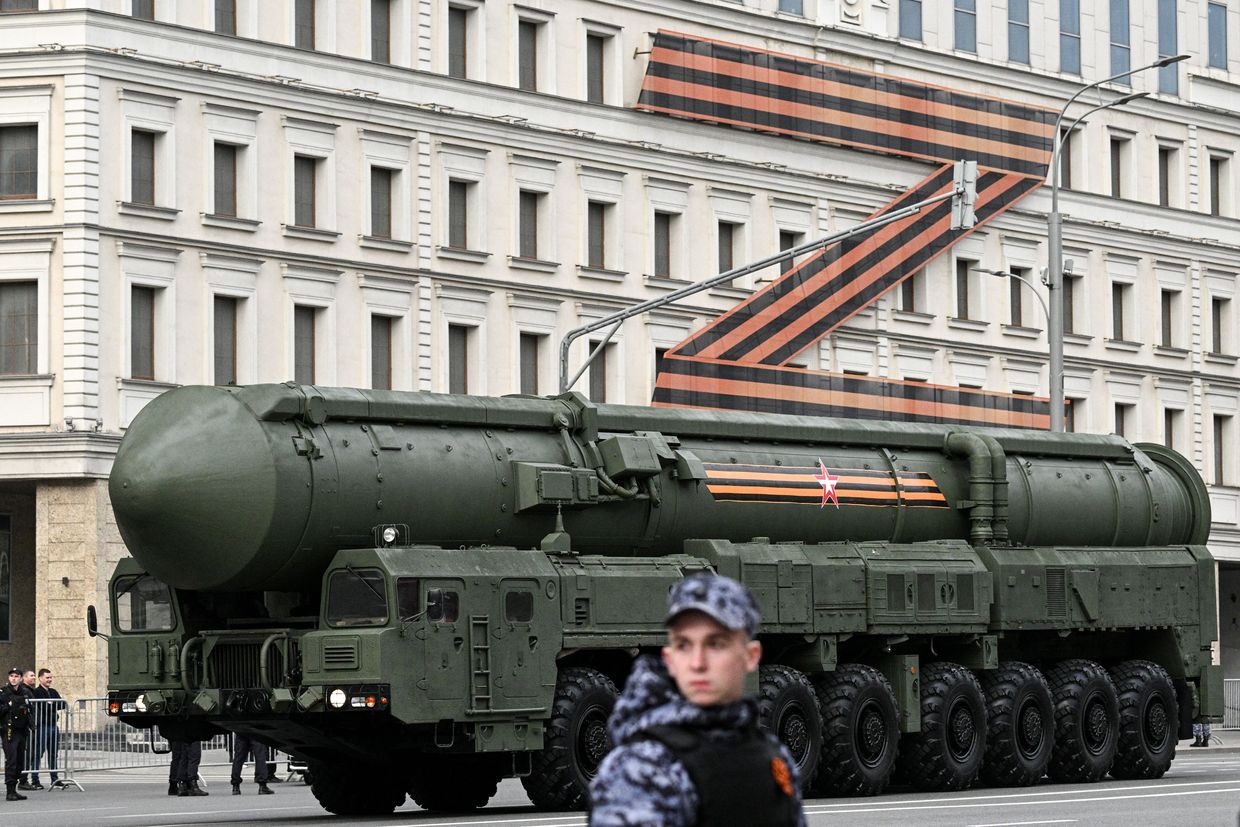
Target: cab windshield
{"points": [[357, 597], [143, 604]]}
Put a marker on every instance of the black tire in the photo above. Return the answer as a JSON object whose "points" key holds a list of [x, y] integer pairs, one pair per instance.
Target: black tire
{"points": [[1086, 721], [576, 743], [947, 753], [454, 783], [1149, 719], [788, 707], [1020, 725], [356, 791], [860, 731]]}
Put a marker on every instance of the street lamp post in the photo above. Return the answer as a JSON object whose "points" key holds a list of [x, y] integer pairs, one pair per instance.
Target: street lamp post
{"points": [[1054, 235]]}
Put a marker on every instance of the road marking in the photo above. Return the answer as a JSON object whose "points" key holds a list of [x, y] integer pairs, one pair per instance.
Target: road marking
{"points": [[950, 806], [209, 812], [1021, 823], [1056, 790], [560, 821]]}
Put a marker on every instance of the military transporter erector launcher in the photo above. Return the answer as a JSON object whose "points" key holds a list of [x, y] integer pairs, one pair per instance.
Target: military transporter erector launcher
{"points": [[421, 594]]}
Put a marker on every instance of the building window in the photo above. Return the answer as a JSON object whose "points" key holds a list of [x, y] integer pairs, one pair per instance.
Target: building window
{"points": [[225, 16], [381, 202], [663, 244], [1168, 45], [1069, 415], [598, 373], [19, 162], [527, 55], [1217, 23], [1069, 287], [1121, 58], [1016, 298], [305, 186], [596, 67], [796, 7], [381, 352], [1065, 158], [142, 332], [910, 19], [910, 289], [660, 354], [1070, 36], [458, 358], [787, 240], [596, 235], [19, 327], [1123, 412], [381, 31], [142, 167], [1018, 31], [1171, 426], [1165, 157], [458, 42], [727, 246], [1222, 449], [965, 19], [529, 207], [1119, 298], [224, 321], [1218, 179], [530, 345], [304, 346], [1119, 154], [142, 9], [303, 24], [18, 5], [458, 214], [962, 287], [1168, 310], [225, 202], [1220, 323]]}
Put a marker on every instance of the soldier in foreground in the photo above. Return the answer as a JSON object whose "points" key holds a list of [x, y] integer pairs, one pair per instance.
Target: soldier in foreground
{"points": [[15, 718], [688, 750]]}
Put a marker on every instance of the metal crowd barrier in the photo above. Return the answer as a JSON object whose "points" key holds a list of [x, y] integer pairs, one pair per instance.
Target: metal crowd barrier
{"points": [[1231, 703], [74, 738]]}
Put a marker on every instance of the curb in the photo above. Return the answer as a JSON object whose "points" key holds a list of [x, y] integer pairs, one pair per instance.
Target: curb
{"points": [[1185, 748]]}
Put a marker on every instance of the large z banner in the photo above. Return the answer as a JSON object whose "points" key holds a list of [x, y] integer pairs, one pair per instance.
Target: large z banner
{"points": [[739, 361]]}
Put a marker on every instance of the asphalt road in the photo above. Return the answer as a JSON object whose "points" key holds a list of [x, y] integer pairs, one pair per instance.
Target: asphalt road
{"points": [[1202, 788]]}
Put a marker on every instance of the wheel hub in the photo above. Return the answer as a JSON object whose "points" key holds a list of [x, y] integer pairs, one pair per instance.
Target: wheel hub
{"points": [[1096, 726], [592, 742], [871, 736], [961, 730], [794, 732], [1156, 724], [1029, 732]]}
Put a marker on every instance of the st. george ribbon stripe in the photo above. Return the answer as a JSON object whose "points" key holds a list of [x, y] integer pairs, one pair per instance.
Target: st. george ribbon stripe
{"points": [[739, 86]]}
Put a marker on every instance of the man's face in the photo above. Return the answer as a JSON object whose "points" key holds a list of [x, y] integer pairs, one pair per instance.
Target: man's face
{"points": [[46, 680], [707, 660], [14, 678], [28, 678]]}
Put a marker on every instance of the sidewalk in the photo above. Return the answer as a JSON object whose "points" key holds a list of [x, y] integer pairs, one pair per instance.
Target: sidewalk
{"points": [[1226, 743]]}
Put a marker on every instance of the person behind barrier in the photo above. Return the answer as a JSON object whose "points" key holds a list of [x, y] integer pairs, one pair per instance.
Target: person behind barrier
{"points": [[46, 729], [183, 771], [688, 750], [15, 720], [243, 747]]}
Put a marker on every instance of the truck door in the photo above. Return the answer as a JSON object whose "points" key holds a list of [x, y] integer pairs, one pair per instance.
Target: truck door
{"points": [[522, 657], [445, 621]]}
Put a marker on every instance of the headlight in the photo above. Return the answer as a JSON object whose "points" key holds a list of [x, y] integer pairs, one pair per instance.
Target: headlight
{"points": [[389, 535], [140, 703], [337, 698]]}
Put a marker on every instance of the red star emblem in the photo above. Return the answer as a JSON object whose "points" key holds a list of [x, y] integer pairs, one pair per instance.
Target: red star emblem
{"points": [[828, 481]]}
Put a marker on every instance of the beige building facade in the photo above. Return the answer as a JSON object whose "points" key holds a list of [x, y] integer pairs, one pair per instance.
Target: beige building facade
{"points": [[428, 194]]}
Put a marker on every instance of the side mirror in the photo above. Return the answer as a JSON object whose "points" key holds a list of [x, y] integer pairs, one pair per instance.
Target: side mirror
{"points": [[92, 623]]}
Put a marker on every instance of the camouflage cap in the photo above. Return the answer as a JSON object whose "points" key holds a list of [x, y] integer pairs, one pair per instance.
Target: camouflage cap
{"points": [[722, 598]]}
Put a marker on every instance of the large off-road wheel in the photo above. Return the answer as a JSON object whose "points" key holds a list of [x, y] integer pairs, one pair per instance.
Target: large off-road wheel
{"points": [[1086, 721], [788, 707], [576, 741], [860, 731], [349, 790], [454, 783], [1020, 725], [947, 753], [1148, 720]]}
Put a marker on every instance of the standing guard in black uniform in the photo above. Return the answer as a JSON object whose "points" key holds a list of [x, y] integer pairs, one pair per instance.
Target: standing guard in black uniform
{"points": [[183, 771], [15, 719], [243, 747]]}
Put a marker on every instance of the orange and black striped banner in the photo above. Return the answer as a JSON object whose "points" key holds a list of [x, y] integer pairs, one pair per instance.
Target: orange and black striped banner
{"points": [[822, 486], [749, 88]]}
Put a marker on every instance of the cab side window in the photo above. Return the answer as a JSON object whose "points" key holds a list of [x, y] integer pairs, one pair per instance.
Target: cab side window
{"points": [[519, 607], [442, 606], [408, 597]]}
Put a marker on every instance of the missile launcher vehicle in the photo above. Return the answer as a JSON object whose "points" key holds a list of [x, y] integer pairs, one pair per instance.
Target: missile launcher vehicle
{"points": [[421, 594]]}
